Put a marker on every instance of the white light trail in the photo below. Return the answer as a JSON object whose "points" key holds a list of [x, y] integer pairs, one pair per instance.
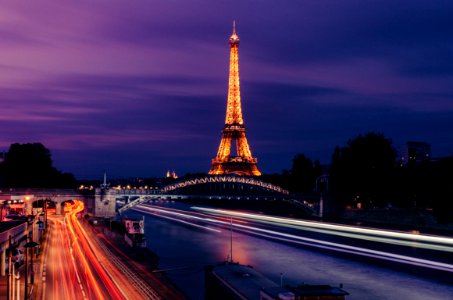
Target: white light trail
{"points": [[349, 249], [151, 211], [295, 239], [386, 236]]}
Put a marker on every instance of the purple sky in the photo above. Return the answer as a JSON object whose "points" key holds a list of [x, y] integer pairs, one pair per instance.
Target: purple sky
{"points": [[139, 87]]}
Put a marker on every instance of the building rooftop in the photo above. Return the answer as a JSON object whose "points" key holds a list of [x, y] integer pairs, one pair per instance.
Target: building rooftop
{"points": [[242, 279]]}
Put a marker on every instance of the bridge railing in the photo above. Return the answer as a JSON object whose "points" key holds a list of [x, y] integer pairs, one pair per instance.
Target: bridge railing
{"points": [[226, 179], [19, 229], [135, 192], [135, 202]]}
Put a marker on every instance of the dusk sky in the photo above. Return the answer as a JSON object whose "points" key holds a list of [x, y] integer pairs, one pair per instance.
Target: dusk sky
{"points": [[139, 87]]}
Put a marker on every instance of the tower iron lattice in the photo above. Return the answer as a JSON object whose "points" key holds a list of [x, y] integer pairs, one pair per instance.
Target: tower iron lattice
{"points": [[234, 130]]}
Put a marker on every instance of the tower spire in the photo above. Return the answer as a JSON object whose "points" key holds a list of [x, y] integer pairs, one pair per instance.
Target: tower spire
{"points": [[234, 39], [234, 131]]}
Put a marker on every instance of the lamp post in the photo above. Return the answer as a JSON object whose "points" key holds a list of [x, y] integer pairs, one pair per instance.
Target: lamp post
{"points": [[26, 275], [32, 245], [41, 229], [45, 214], [9, 281], [322, 179]]}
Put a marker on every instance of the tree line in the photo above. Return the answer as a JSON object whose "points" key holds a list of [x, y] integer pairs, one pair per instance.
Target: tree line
{"points": [[367, 173], [30, 166]]}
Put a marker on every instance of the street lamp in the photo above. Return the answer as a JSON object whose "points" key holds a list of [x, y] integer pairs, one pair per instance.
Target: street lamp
{"points": [[321, 179], [40, 228], [45, 213], [32, 245]]}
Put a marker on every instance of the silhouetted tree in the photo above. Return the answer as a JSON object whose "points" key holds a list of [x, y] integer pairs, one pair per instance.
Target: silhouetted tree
{"points": [[280, 179], [303, 174], [30, 165], [442, 187], [363, 171]]}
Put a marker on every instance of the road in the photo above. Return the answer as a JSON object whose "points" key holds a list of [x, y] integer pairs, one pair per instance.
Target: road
{"points": [[61, 275], [78, 266]]}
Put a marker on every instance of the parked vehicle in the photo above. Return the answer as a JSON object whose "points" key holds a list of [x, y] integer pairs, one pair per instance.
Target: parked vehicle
{"points": [[17, 258]]}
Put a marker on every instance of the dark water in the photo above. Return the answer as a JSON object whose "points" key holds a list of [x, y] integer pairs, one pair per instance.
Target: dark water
{"points": [[186, 250]]}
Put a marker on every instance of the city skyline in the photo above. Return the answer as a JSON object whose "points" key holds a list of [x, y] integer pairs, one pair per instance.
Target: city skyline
{"points": [[139, 88]]}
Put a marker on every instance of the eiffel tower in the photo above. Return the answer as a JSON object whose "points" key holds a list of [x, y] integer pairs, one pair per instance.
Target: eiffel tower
{"points": [[234, 131]]}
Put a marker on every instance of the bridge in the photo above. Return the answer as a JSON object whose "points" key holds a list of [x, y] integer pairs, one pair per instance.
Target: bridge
{"points": [[28, 196], [208, 188], [242, 181], [212, 188]]}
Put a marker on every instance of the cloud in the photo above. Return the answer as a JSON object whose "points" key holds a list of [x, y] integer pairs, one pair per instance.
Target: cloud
{"points": [[146, 81]]}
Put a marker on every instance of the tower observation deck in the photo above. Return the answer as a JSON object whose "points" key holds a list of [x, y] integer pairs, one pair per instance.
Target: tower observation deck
{"points": [[234, 130]]}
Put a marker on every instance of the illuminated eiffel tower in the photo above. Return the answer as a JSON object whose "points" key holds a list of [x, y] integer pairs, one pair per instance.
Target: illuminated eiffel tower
{"points": [[243, 163]]}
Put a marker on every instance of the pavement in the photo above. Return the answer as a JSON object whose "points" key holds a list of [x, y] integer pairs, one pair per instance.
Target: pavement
{"points": [[35, 289]]}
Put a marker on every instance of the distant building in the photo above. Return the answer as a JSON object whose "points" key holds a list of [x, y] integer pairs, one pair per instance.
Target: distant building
{"points": [[416, 152], [171, 174], [232, 281], [2, 156]]}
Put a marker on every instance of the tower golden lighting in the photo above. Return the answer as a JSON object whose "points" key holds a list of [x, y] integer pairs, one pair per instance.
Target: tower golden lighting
{"points": [[234, 131]]}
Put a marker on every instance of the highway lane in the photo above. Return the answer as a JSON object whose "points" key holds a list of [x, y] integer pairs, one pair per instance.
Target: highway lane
{"points": [[63, 277], [68, 272], [79, 266], [424, 251]]}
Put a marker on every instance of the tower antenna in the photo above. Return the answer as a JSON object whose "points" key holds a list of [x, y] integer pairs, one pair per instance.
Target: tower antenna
{"points": [[105, 185]]}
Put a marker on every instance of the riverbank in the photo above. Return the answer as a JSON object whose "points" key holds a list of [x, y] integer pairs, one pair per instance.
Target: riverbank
{"points": [[142, 261]]}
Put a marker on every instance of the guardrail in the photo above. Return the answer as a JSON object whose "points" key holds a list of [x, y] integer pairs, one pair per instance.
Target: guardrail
{"points": [[4, 236]]}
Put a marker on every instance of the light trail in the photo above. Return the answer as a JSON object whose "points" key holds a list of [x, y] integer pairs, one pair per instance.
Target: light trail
{"points": [[86, 255], [384, 236], [147, 290], [349, 249], [69, 277], [295, 239], [151, 211], [82, 267], [131, 285], [202, 216]]}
